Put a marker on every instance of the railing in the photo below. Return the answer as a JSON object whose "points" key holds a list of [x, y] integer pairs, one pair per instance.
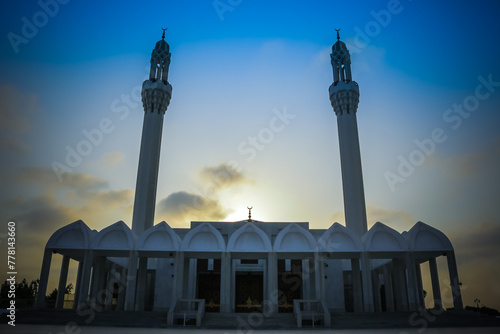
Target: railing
{"points": [[186, 310], [306, 309]]}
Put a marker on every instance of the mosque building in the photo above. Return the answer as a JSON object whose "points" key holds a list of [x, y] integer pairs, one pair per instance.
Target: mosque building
{"points": [[250, 265]]}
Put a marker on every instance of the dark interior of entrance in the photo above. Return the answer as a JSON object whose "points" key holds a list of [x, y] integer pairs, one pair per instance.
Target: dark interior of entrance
{"points": [[249, 292], [209, 283]]}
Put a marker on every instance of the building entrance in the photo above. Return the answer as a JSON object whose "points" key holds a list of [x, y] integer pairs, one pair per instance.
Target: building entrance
{"points": [[249, 291]]}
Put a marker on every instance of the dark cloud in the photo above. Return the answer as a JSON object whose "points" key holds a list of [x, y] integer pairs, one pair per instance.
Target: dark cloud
{"points": [[183, 207], [222, 175], [46, 177], [16, 109]]}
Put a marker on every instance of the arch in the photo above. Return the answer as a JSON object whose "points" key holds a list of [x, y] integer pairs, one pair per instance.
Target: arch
{"points": [[294, 238], [160, 237], [382, 238], [76, 235], [249, 238], [203, 237], [339, 238], [422, 237], [115, 237]]}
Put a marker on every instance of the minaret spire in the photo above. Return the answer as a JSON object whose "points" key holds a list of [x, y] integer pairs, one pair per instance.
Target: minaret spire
{"points": [[156, 94], [344, 96]]}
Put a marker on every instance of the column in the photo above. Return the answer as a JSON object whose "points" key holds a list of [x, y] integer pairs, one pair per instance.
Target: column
{"points": [[367, 283], [389, 294], [454, 281], [376, 291], [131, 282], [413, 299], [44, 278], [122, 288], [140, 295], [177, 285], [318, 277], [436, 290], [225, 282], [420, 285], [272, 282], [86, 271], [78, 284], [306, 279], [400, 296], [63, 277], [356, 286], [191, 294]]}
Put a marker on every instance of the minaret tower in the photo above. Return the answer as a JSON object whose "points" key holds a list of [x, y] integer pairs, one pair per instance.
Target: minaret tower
{"points": [[344, 95], [156, 94]]}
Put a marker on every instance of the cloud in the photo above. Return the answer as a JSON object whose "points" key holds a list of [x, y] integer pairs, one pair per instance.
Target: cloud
{"points": [[14, 145], [223, 175], [16, 109], [182, 207], [47, 178], [113, 158]]}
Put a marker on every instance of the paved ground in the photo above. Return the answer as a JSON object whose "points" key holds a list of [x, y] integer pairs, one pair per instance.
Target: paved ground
{"points": [[49, 329]]}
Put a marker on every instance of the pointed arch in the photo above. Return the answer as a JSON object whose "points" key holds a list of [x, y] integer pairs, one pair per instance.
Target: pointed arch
{"points": [[422, 237], [76, 235], [294, 238], [249, 238], [117, 237], [382, 238], [339, 238], [203, 237], [160, 237]]}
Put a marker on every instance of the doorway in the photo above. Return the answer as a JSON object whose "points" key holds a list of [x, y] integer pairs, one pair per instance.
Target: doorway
{"points": [[249, 291]]}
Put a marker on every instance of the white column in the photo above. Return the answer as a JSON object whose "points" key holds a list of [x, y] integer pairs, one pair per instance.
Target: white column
{"points": [[225, 282], [413, 299], [44, 279], [192, 278], [78, 284], [376, 291], [367, 283], [318, 277], [389, 295], [140, 294], [400, 295], [131, 282], [272, 281], [122, 288], [97, 286], [86, 272], [63, 277], [357, 286], [454, 281], [306, 279], [436, 289], [178, 283], [420, 285]]}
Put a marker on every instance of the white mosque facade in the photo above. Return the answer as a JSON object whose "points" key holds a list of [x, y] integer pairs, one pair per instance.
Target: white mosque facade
{"points": [[250, 265]]}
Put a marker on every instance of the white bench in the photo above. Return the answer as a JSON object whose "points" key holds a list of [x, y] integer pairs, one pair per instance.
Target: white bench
{"points": [[311, 309], [186, 309]]}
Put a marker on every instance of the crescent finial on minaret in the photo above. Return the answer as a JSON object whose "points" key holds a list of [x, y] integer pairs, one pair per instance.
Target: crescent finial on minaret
{"points": [[249, 212], [163, 36], [338, 36]]}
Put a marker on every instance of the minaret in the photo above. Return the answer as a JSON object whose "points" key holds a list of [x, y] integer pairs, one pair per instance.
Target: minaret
{"points": [[156, 94], [344, 95]]}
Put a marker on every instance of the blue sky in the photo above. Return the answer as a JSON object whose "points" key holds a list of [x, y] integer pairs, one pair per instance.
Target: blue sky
{"points": [[235, 64]]}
